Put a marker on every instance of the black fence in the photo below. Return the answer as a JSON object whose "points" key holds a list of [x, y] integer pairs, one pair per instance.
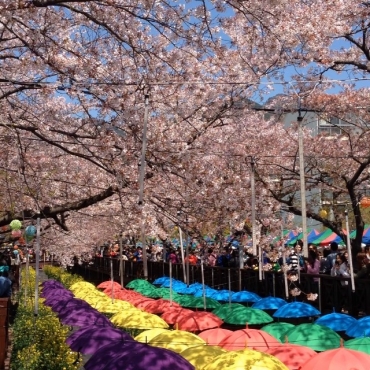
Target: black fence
{"points": [[334, 294]]}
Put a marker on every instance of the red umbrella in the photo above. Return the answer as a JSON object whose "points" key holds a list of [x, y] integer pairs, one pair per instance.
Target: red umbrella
{"points": [[160, 305], [214, 336], [198, 321], [108, 284], [339, 358], [172, 315], [293, 356], [249, 338], [142, 302]]}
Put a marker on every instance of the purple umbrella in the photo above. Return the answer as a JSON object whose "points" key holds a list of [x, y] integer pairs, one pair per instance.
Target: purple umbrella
{"points": [[51, 282], [56, 293], [131, 355], [84, 316], [59, 306], [89, 341]]}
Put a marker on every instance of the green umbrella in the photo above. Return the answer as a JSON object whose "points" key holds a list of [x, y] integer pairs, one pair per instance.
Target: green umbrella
{"points": [[165, 293], [247, 315], [319, 338], [223, 310], [185, 300], [198, 302], [134, 284], [146, 290], [278, 329], [359, 344]]}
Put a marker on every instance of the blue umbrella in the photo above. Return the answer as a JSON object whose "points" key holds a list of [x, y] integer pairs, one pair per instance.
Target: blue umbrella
{"points": [[186, 289], [245, 296], [295, 310], [222, 295], [269, 303], [208, 292], [337, 321], [360, 329], [167, 283], [161, 280]]}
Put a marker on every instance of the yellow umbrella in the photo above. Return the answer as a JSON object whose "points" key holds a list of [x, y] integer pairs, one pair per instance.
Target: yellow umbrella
{"points": [[81, 284], [176, 340], [245, 359], [148, 335], [106, 306], [202, 355], [137, 319]]}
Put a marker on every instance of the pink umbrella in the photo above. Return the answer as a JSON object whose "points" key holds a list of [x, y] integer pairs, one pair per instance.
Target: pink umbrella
{"points": [[172, 315], [198, 321], [338, 359], [293, 356], [214, 336], [249, 338]]}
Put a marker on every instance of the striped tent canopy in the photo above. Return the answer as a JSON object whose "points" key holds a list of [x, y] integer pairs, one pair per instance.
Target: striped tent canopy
{"points": [[311, 235], [328, 236], [365, 234]]}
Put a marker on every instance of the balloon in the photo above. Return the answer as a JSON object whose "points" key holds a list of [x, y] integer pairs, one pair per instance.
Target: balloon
{"points": [[30, 231], [15, 225]]}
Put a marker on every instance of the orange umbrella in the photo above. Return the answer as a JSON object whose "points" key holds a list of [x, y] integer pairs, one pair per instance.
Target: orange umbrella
{"points": [[198, 321], [214, 336], [172, 315], [160, 305], [339, 358], [292, 355], [249, 338]]}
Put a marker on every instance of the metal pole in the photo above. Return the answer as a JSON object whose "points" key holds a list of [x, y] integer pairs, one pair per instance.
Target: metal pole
{"points": [[285, 276], [170, 262], [111, 277], [182, 255], [349, 249], [141, 184], [303, 185], [229, 284], [121, 260], [204, 290], [37, 266], [187, 254], [253, 205]]}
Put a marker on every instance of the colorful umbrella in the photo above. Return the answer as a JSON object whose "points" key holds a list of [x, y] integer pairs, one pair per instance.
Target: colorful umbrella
{"points": [[337, 321], [293, 356], [161, 280], [214, 336], [108, 284], [198, 302], [223, 310], [138, 320], [147, 335], [198, 321], [269, 303], [317, 337], [135, 355], [359, 344], [338, 359], [174, 314], [360, 329], [89, 341], [245, 359], [247, 315], [244, 297], [295, 310], [249, 338], [277, 329], [176, 340], [138, 283], [160, 305], [202, 355]]}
